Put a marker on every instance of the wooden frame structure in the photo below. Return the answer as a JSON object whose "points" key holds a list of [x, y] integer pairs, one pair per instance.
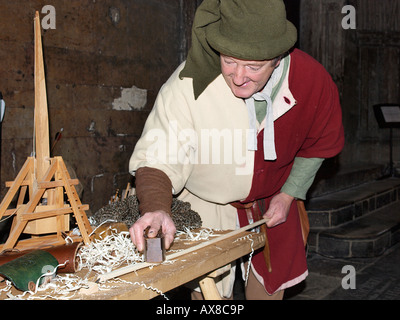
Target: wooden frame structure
{"points": [[46, 205], [47, 210]]}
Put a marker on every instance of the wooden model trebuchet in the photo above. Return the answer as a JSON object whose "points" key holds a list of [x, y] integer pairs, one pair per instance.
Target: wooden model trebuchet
{"points": [[44, 181]]}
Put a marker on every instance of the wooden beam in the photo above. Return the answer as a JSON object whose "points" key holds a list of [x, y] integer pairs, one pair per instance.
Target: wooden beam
{"points": [[46, 184], [75, 202], [135, 267], [28, 208], [15, 186], [51, 213], [41, 125], [209, 289], [164, 277]]}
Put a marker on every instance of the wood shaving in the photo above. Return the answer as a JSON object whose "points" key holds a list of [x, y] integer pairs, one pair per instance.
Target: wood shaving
{"points": [[250, 238], [101, 256], [191, 235], [104, 255]]}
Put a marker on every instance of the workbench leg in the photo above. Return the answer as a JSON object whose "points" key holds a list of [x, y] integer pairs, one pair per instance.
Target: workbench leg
{"points": [[209, 289]]}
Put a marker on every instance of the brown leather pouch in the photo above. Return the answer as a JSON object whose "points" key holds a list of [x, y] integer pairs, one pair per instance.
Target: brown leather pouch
{"points": [[304, 222]]}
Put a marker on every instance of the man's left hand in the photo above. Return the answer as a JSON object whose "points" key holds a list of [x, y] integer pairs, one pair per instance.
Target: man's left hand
{"points": [[278, 210]]}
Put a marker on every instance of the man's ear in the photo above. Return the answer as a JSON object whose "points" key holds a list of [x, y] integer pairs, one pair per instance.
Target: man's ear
{"points": [[277, 62]]}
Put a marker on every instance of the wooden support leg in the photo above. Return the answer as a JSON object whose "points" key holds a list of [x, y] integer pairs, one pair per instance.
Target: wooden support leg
{"points": [[18, 227], [80, 216], [15, 186], [209, 289], [208, 286]]}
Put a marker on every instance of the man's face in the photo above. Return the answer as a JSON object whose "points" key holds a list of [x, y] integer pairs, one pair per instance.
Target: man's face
{"points": [[245, 77]]}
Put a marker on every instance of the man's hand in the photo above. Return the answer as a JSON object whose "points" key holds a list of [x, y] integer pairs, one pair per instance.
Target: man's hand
{"points": [[278, 210], [156, 220]]}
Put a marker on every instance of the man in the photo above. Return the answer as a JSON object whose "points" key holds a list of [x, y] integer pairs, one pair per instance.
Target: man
{"points": [[240, 128]]}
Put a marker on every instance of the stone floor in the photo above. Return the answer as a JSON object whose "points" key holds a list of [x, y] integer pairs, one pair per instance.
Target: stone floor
{"points": [[375, 278], [371, 275]]}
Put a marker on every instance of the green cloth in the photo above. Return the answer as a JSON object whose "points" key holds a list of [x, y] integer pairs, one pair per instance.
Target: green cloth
{"points": [[29, 268], [252, 29], [202, 63], [261, 109], [301, 177], [244, 29]]}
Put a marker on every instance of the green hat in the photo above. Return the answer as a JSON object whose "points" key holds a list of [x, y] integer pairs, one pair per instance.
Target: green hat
{"points": [[252, 29], [244, 29]]}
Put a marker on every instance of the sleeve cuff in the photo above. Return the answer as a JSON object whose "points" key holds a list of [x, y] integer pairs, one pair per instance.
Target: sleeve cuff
{"points": [[301, 177]]}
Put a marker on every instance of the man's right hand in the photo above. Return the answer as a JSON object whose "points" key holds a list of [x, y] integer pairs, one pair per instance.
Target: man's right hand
{"points": [[155, 220]]}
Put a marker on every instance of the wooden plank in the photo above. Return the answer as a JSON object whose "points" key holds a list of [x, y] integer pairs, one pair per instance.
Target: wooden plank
{"points": [[15, 186], [128, 269], [51, 213], [10, 212], [188, 267], [47, 184], [40, 242], [375, 15], [75, 202], [149, 282], [42, 140], [28, 209]]}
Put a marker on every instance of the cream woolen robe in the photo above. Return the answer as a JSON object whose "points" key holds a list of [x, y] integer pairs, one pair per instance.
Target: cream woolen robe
{"points": [[202, 147]]}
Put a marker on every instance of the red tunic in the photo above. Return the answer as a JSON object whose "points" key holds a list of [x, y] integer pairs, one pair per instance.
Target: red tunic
{"points": [[311, 129]]}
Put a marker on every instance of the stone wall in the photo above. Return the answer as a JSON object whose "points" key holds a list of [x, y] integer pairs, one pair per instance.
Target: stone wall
{"points": [[364, 63], [105, 62]]}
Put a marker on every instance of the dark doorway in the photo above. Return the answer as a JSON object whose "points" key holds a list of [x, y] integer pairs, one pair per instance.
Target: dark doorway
{"points": [[293, 15]]}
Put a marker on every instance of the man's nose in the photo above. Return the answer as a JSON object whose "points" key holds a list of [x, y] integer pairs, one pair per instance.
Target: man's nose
{"points": [[239, 76]]}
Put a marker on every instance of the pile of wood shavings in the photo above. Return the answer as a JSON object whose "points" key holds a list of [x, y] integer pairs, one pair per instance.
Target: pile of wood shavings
{"points": [[100, 256], [106, 254], [62, 287]]}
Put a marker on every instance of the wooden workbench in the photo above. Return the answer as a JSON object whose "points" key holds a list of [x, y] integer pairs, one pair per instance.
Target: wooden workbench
{"points": [[167, 276]]}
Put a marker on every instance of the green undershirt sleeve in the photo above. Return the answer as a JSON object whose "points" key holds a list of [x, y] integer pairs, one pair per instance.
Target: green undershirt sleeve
{"points": [[301, 177]]}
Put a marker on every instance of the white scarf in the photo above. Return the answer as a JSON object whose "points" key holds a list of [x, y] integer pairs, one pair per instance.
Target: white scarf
{"points": [[269, 134]]}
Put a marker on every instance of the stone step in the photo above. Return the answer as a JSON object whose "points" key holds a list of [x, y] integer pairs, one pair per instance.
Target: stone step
{"points": [[333, 177], [334, 209], [361, 221], [368, 236]]}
